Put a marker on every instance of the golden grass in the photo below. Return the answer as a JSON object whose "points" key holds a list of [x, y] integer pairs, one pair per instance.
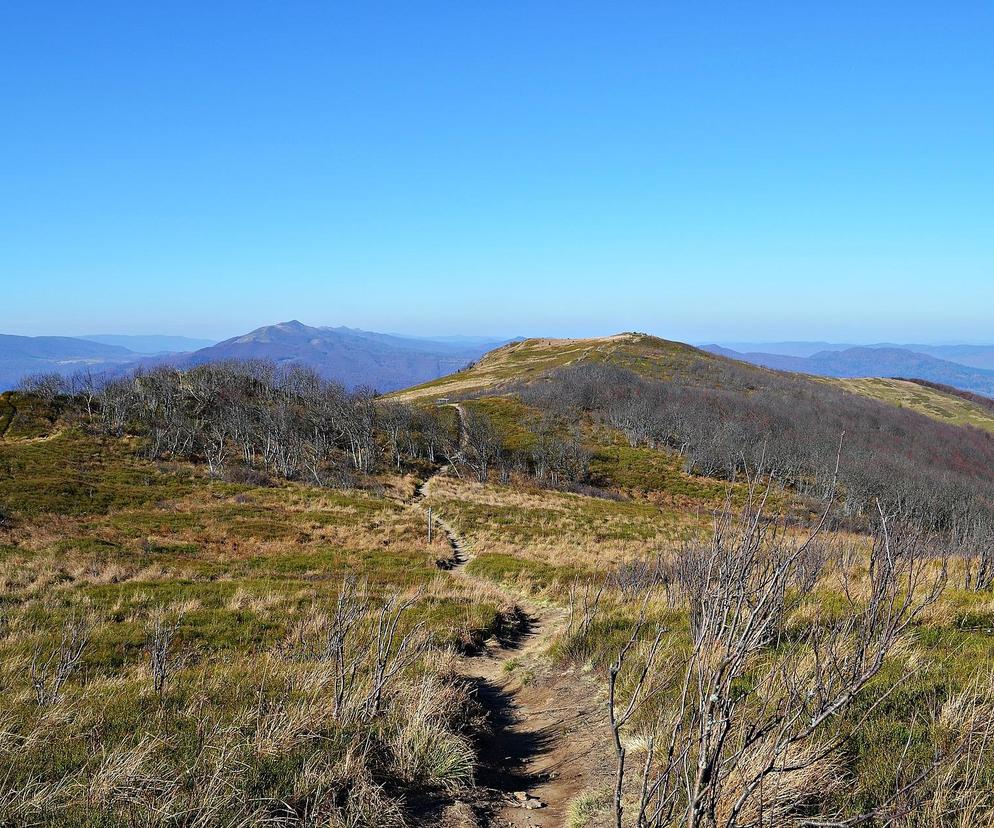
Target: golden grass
{"points": [[560, 529], [530, 358], [947, 408]]}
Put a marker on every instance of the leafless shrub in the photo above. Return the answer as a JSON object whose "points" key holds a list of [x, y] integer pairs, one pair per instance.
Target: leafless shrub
{"points": [[728, 420], [729, 751], [392, 652], [49, 675], [975, 545], [583, 607], [482, 445], [364, 645], [159, 646], [45, 386], [559, 460], [636, 578], [810, 564]]}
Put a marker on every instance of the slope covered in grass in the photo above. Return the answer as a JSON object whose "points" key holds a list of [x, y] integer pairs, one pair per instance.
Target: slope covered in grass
{"points": [[905, 445], [240, 587], [532, 358], [651, 357], [931, 401], [169, 642]]}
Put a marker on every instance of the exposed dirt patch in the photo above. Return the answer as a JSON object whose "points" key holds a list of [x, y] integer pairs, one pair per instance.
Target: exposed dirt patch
{"points": [[548, 730]]}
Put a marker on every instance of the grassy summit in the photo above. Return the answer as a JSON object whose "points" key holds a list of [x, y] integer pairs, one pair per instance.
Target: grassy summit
{"points": [[531, 358], [932, 402], [658, 358]]}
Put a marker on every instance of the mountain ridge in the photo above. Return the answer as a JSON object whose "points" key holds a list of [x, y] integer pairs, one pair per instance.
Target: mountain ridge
{"points": [[151, 344], [353, 357], [963, 353], [872, 361], [23, 355]]}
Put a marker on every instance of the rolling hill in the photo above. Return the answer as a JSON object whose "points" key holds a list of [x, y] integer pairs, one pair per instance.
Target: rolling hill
{"points": [[21, 355], [906, 445], [584, 494], [529, 360], [976, 356]]}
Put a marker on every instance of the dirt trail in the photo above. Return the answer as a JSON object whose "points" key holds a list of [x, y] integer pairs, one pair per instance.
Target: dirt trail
{"points": [[549, 726]]}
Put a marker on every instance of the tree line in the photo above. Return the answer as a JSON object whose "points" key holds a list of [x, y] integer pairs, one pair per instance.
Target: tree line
{"points": [[252, 420]]}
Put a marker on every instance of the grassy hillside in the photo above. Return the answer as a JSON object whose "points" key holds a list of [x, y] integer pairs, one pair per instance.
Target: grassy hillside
{"points": [[531, 358], [192, 635], [109, 562], [934, 403], [661, 359], [727, 417]]}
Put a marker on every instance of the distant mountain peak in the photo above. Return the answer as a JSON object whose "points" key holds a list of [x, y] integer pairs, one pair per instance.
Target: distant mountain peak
{"points": [[294, 325], [348, 355]]}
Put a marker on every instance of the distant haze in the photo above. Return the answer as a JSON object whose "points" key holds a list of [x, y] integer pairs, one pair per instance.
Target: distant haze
{"points": [[967, 367], [151, 344], [353, 357], [973, 355]]}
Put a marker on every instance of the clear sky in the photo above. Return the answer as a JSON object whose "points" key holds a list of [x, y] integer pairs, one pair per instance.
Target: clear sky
{"points": [[699, 170]]}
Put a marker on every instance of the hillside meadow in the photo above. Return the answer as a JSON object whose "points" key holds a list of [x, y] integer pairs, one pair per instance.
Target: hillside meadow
{"points": [[108, 559], [220, 604]]}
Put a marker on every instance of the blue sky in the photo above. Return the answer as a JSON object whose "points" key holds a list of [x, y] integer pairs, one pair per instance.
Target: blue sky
{"points": [[698, 170]]}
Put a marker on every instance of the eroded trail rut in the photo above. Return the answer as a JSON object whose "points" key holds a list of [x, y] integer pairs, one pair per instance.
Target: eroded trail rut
{"points": [[548, 726]]}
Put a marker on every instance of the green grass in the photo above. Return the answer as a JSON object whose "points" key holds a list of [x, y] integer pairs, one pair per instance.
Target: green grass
{"points": [[649, 470], [23, 417], [564, 516], [510, 417], [509, 569], [76, 474], [106, 536]]}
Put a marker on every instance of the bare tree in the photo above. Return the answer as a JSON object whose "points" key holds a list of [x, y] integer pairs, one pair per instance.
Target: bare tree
{"points": [[482, 444], [344, 649], [392, 651], [47, 386], [84, 386]]}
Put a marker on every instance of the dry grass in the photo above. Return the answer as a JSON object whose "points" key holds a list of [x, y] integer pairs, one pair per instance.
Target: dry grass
{"points": [[526, 360], [242, 731], [935, 404], [558, 529]]}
